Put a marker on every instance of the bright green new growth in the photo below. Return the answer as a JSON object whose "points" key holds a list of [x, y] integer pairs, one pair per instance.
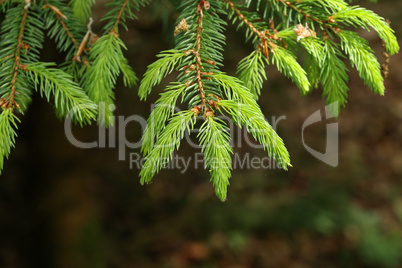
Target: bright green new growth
{"points": [[287, 64], [208, 93], [316, 25], [159, 70], [8, 124], [362, 57], [69, 99], [360, 17], [83, 86], [165, 107], [82, 9], [214, 138], [245, 112], [168, 140], [333, 76], [108, 62], [251, 71]]}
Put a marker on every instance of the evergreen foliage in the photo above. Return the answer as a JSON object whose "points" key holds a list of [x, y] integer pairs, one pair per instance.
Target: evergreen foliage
{"points": [[83, 86]]}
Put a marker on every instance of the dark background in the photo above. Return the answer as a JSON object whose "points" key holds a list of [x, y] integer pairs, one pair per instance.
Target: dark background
{"points": [[61, 206]]}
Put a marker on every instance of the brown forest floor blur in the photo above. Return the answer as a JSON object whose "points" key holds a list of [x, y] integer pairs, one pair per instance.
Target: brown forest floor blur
{"points": [[65, 207]]}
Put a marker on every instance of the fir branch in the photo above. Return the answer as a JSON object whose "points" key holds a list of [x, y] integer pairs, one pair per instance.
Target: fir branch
{"points": [[22, 38], [158, 70], [252, 118], [314, 60], [165, 107], [251, 21], [100, 79], [168, 141], [314, 47], [121, 10], [251, 71], [10, 100], [63, 27], [358, 16], [82, 9], [215, 141], [334, 77], [197, 51], [68, 97], [8, 124], [361, 56], [312, 68], [286, 63], [119, 16]]}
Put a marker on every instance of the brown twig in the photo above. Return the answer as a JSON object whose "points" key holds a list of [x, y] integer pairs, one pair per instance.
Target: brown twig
{"points": [[198, 64], [264, 36], [118, 18], [60, 16], [84, 42]]}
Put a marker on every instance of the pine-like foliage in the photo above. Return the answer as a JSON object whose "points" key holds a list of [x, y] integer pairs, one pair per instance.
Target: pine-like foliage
{"points": [[83, 86], [208, 93], [318, 27]]}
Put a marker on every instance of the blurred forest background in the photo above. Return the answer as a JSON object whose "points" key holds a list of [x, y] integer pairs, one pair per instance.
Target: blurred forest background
{"points": [[65, 207]]}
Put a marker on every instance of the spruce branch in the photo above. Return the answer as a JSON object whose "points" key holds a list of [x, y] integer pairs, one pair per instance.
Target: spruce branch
{"points": [[120, 11], [252, 118], [314, 59], [214, 138], [286, 63], [252, 21], [8, 124], [197, 51], [362, 57], [69, 99], [100, 78], [10, 100], [108, 60], [358, 16], [168, 140], [158, 70], [251, 70], [334, 76], [22, 38], [119, 17], [63, 27], [165, 108], [278, 30], [82, 9], [85, 41]]}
